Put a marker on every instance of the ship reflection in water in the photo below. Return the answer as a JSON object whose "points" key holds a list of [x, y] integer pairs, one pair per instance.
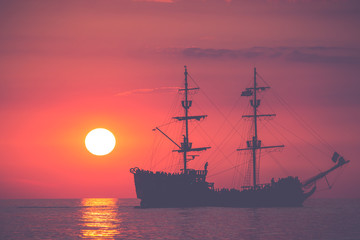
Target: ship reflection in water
{"points": [[100, 218]]}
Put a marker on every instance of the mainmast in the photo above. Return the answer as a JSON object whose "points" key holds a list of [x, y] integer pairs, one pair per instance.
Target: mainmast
{"points": [[255, 144]]}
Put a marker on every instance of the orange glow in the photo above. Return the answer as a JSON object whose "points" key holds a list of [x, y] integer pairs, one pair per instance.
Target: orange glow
{"points": [[99, 217]]}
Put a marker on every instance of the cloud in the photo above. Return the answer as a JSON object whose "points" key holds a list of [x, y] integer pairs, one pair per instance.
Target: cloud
{"points": [[316, 57], [317, 54], [149, 90]]}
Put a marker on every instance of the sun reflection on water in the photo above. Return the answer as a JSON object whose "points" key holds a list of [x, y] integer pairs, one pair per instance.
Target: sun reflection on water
{"points": [[99, 218]]}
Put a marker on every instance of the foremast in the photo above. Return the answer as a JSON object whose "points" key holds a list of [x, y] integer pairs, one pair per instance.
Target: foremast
{"points": [[186, 146], [255, 144], [186, 105]]}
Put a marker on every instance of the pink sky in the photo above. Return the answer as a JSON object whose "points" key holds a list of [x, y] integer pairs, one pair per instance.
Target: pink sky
{"points": [[67, 67]]}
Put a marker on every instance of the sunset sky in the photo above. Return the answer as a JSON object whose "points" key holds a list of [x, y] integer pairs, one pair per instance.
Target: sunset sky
{"points": [[67, 67]]}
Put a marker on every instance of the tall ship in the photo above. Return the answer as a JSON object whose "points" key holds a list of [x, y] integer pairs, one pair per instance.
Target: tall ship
{"points": [[189, 188]]}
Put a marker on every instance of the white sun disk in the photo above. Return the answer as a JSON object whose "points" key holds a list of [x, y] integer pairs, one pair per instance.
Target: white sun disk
{"points": [[100, 141]]}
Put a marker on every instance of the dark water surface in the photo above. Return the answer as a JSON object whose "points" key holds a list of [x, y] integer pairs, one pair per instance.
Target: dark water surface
{"points": [[106, 218]]}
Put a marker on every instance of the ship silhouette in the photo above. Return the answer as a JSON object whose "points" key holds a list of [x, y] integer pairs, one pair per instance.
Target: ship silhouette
{"points": [[189, 188]]}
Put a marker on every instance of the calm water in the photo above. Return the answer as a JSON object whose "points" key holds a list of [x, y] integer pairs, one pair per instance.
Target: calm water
{"points": [[118, 219]]}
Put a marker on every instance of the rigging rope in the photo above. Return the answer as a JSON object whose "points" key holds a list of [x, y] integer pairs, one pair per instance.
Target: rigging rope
{"points": [[226, 170], [215, 106], [297, 149], [304, 124], [165, 124], [300, 119]]}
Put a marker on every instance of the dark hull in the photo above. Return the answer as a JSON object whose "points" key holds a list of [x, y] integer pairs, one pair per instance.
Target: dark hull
{"points": [[190, 190]]}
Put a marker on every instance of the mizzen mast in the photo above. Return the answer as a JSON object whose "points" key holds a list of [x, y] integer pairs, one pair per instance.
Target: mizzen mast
{"points": [[255, 144]]}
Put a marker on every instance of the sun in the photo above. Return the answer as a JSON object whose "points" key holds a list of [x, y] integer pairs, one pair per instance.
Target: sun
{"points": [[100, 141]]}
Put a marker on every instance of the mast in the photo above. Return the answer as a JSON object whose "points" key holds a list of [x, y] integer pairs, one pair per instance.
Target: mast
{"points": [[186, 146], [255, 144], [186, 105], [255, 141]]}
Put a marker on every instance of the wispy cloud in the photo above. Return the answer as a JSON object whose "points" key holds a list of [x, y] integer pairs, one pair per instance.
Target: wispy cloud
{"points": [[315, 54], [149, 90]]}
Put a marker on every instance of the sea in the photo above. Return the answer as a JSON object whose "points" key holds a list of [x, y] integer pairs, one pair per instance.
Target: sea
{"points": [[110, 218]]}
